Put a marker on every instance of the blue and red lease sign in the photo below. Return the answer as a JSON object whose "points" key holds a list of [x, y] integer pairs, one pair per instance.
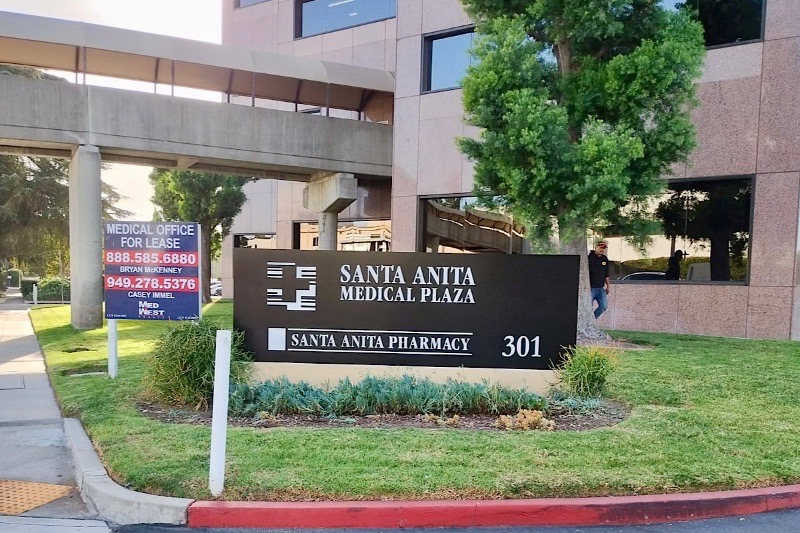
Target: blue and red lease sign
{"points": [[152, 270]]}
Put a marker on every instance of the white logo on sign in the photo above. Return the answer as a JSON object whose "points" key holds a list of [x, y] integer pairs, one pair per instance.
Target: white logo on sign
{"points": [[300, 282]]}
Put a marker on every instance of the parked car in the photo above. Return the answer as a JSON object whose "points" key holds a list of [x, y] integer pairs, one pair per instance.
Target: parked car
{"points": [[216, 288], [643, 276]]}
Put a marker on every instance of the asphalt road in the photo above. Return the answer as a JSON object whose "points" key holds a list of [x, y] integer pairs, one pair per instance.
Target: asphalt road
{"points": [[776, 522]]}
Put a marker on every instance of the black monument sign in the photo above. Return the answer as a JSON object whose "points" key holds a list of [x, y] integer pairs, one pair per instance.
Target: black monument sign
{"points": [[484, 311]]}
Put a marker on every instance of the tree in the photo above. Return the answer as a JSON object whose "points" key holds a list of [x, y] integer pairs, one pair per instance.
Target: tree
{"points": [[212, 200], [34, 213], [581, 105]]}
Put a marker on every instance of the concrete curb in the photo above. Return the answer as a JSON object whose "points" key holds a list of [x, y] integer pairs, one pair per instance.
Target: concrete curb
{"points": [[615, 510], [111, 501]]}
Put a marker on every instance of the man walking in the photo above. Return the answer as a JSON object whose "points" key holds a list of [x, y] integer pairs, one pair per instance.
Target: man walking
{"points": [[598, 277]]}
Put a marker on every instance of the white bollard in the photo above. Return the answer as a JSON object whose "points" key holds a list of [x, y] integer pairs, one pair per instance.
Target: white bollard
{"points": [[112, 348], [35, 294], [219, 413]]}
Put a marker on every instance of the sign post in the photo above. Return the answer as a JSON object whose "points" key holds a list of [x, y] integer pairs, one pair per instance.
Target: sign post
{"points": [[152, 272], [219, 413]]}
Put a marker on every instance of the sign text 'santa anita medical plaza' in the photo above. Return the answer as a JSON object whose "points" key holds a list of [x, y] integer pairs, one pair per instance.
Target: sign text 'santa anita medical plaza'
{"points": [[485, 311], [152, 270]]}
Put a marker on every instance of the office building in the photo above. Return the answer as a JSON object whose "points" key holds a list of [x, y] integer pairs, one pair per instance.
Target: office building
{"points": [[733, 208]]}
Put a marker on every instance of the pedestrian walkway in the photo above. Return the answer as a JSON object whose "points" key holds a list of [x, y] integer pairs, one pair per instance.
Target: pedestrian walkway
{"points": [[36, 464]]}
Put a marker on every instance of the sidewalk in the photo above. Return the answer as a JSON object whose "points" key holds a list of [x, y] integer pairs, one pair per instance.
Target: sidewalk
{"points": [[42, 446], [32, 433]]}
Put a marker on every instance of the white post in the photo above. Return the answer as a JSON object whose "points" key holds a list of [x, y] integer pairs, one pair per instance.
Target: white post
{"points": [[35, 294], [219, 413], [112, 348]]}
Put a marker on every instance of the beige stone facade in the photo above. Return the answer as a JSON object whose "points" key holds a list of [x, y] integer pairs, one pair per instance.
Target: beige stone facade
{"points": [[748, 124]]}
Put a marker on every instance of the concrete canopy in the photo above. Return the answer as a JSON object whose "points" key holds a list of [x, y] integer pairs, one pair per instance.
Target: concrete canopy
{"points": [[92, 49]]}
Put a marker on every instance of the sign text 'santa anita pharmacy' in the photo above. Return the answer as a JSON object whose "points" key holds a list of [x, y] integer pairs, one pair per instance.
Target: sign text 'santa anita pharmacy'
{"points": [[152, 270], [485, 311]]}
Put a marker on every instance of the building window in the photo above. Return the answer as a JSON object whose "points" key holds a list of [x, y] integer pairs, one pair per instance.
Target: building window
{"points": [[264, 241], [703, 225], [458, 225], [353, 236], [314, 17], [445, 61], [726, 21], [245, 3]]}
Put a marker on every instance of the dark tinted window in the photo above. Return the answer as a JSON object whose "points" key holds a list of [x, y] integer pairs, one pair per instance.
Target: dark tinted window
{"points": [[446, 60], [322, 16], [726, 21], [708, 220]]}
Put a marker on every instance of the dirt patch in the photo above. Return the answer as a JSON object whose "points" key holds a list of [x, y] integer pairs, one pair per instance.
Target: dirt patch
{"points": [[607, 414]]}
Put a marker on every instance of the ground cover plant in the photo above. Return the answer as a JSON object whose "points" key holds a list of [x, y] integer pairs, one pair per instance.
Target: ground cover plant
{"points": [[707, 413], [405, 395]]}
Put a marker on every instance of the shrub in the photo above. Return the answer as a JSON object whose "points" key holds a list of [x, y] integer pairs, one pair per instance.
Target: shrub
{"points": [[585, 370], [406, 395], [53, 290], [26, 287], [524, 420], [15, 275], [180, 369], [49, 289]]}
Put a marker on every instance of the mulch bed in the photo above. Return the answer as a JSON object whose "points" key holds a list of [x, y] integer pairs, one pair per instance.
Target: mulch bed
{"points": [[608, 414]]}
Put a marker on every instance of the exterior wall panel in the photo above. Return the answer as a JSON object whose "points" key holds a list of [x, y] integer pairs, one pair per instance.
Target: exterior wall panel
{"points": [[748, 124]]}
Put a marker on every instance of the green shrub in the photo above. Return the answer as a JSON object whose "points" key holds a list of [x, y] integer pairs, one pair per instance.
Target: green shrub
{"points": [[53, 290], [15, 275], [585, 370], [406, 395], [26, 287], [180, 370], [49, 289]]}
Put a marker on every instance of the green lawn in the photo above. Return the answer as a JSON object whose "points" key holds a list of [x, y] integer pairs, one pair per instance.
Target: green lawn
{"points": [[708, 413]]}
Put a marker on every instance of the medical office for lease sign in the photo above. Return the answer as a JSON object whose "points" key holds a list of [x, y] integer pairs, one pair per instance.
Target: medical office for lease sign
{"points": [[152, 270], [484, 311]]}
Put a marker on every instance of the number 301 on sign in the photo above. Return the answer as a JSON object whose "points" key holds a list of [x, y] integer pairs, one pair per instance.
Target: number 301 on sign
{"points": [[521, 346]]}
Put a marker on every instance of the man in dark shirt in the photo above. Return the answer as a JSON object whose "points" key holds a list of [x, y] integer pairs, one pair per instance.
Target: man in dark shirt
{"points": [[598, 277]]}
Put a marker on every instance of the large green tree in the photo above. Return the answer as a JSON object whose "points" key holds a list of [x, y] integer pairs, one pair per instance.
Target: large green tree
{"points": [[34, 213], [212, 200], [582, 106]]}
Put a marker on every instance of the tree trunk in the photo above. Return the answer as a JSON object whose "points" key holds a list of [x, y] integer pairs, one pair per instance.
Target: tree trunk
{"points": [[574, 243], [720, 257], [205, 288]]}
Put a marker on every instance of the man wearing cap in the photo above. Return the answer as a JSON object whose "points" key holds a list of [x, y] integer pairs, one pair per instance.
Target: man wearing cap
{"points": [[598, 277]]}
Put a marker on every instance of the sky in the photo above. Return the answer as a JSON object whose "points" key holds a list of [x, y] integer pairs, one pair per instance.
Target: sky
{"points": [[189, 19]]}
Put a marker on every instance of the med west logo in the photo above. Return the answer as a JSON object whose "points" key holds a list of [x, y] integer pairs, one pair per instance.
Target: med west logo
{"points": [[298, 286]]}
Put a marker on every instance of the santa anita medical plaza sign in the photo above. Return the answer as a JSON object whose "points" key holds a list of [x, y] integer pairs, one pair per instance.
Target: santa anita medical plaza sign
{"points": [[417, 309]]}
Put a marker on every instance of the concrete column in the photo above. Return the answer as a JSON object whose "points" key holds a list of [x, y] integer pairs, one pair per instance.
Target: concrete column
{"points": [[85, 238], [328, 226], [328, 195]]}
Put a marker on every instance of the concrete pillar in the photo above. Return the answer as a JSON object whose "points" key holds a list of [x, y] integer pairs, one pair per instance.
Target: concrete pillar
{"points": [[328, 195], [85, 238]]}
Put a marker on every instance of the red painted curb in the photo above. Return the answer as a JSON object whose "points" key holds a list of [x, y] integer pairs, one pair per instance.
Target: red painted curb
{"points": [[614, 510]]}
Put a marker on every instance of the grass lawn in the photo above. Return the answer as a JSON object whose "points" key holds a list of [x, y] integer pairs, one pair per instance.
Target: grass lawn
{"points": [[708, 413]]}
